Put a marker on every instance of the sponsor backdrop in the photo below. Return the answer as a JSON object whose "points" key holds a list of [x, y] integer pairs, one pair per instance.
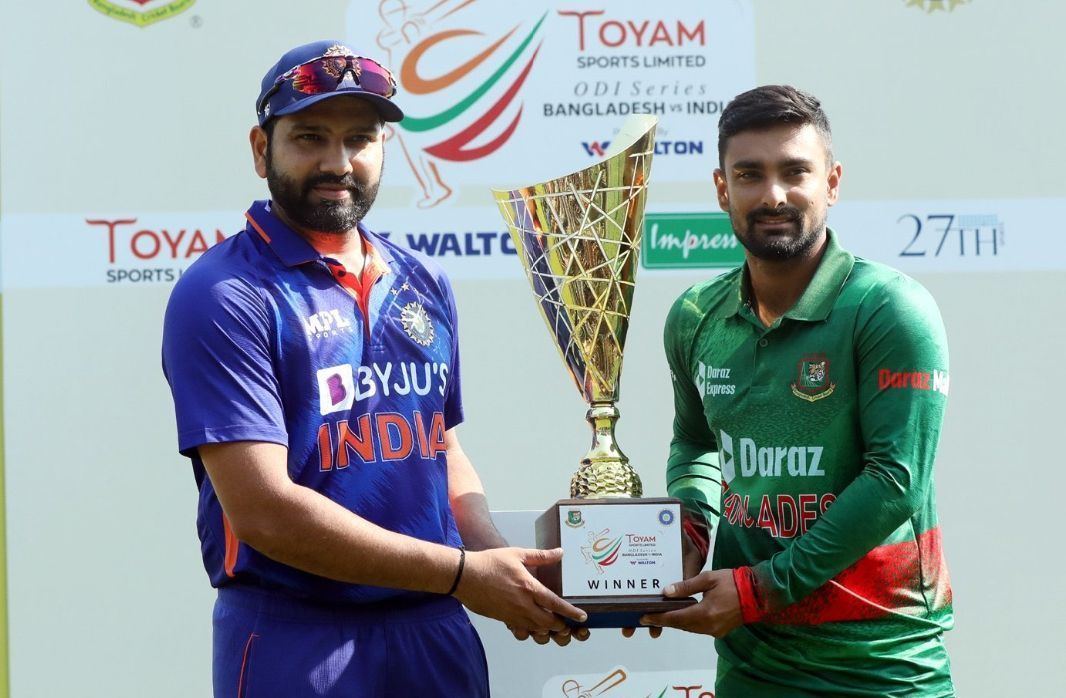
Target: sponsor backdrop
{"points": [[119, 171]]}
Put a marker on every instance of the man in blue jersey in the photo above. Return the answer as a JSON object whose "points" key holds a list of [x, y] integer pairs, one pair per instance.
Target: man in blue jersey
{"points": [[315, 373]]}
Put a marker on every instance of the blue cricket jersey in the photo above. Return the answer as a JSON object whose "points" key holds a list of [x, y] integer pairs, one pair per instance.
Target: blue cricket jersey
{"points": [[267, 340]]}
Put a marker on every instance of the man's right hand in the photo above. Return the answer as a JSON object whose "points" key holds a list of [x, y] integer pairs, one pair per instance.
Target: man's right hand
{"points": [[496, 583]]}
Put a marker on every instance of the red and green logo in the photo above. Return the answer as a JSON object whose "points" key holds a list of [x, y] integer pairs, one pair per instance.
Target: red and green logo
{"points": [[605, 551], [127, 10], [435, 61]]}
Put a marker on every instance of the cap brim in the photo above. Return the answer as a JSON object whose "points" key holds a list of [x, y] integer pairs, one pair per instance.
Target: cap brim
{"points": [[385, 107]]}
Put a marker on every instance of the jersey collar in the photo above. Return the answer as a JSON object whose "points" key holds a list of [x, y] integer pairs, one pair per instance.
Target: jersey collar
{"points": [[291, 248], [821, 293]]}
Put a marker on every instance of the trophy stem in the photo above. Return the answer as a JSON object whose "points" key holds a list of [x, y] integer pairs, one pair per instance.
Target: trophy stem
{"points": [[605, 470]]}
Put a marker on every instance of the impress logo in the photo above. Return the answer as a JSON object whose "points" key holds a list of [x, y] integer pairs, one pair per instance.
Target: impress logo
{"points": [[689, 240], [336, 389], [129, 10]]}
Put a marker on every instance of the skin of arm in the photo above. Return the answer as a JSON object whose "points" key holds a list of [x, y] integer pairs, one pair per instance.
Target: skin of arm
{"points": [[301, 528]]}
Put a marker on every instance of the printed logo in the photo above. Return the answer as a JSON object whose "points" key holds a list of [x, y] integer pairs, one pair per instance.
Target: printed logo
{"points": [[930, 6], [463, 87], [574, 519], [888, 379], [125, 10], [689, 241], [598, 149], [336, 389], [602, 550], [620, 682], [327, 323], [416, 323], [705, 374], [767, 461], [572, 688], [813, 382], [666, 517]]}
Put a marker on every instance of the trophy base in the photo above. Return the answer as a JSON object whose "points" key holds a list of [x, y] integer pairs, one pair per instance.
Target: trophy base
{"points": [[623, 612], [618, 555]]}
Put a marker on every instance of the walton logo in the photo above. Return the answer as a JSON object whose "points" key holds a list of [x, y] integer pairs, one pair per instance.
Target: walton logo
{"points": [[126, 10], [602, 550], [416, 41], [599, 148]]}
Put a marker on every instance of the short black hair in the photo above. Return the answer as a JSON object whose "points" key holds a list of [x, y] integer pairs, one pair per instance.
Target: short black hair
{"points": [[769, 106]]}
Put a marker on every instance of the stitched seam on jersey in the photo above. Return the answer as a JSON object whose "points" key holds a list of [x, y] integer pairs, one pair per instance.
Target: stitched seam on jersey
{"points": [[244, 666]]}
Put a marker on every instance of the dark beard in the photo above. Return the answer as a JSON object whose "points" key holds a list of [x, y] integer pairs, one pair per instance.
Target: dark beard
{"points": [[778, 247], [294, 199]]}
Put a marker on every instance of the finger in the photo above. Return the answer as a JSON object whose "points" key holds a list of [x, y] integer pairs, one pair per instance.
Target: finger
{"points": [[532, 557], [541, 638], [556, 604], [581, 634], [683, 619], [655, 632], [520, 635], [562, 638], [628, 632], [688, 587]]}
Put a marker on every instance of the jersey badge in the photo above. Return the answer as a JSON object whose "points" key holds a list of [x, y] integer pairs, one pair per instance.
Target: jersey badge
{"points": [[813, 382], [416, 323]]}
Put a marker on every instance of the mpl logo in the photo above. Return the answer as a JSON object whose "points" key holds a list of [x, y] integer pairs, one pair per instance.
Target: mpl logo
{"points": [[130, 10], [326, 323], [336, 389]]}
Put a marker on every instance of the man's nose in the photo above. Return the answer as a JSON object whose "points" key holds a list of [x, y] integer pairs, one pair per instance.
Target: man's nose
{"points": [[337, 159], [774, 194]]}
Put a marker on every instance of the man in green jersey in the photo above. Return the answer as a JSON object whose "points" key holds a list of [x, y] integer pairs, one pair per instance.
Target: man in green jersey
{"points": [[809, 391]]}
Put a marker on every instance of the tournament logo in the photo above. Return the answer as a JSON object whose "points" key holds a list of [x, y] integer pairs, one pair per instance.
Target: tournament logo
{"points": [[603, 550], [416, 323], [931, 6], [126, 10], [813, 382]]}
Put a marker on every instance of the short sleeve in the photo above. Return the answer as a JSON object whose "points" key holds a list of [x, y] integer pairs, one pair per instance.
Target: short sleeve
{"points": [[218, 341]]}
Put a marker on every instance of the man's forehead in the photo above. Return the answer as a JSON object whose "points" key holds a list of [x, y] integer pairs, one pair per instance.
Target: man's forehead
{"points": [[777, 143], [342, 109]]}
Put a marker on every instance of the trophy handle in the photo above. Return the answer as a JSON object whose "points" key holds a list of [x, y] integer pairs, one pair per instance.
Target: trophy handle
{"points": [[605, 471]]}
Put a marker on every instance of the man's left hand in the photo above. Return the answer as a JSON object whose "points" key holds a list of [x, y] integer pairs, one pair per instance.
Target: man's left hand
{"points": [[560, 637], [716, 614]]}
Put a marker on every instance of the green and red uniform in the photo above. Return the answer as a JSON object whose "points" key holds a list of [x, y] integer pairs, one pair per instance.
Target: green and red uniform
{"points": [[809, 445]]}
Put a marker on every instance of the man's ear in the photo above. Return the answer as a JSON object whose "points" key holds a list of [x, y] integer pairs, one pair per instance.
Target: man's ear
{"points": [[259, 141], [721, 190], [836, 171]]}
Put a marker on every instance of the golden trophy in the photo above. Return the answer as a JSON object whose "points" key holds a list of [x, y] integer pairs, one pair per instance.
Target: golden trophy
{"points": [[578, 237]]}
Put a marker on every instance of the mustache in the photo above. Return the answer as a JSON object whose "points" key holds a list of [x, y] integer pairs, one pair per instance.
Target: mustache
{"points": [[347, 181], [789, 213]]}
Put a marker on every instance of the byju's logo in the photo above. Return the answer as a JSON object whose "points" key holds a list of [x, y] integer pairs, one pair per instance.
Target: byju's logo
{"points": [[336, 389]]}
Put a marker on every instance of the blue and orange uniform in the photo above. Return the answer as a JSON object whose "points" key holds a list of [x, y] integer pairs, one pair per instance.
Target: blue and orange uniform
{"points": [[267, 340]]}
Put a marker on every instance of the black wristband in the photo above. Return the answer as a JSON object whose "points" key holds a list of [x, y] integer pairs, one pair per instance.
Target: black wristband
{"points": [[458, 572]]}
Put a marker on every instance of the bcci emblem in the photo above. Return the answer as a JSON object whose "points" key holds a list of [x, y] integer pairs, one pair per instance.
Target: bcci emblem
{"points": [[813, 382], [666, 517], [416, 323], [573, 518]]}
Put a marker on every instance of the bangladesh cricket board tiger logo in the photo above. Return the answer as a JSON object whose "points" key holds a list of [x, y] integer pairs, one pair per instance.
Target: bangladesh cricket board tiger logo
{"points": [[813, 382]]}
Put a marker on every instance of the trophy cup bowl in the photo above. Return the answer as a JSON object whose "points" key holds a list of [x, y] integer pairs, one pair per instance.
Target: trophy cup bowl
{"points": [[578, 238]]}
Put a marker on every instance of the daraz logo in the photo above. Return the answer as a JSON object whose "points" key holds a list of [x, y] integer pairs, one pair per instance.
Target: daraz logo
{"points": [[126, 10], [751, 459], [689, 240]]}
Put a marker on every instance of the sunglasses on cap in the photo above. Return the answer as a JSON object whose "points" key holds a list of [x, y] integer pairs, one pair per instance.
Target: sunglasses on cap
{"points": [[326, 73]]}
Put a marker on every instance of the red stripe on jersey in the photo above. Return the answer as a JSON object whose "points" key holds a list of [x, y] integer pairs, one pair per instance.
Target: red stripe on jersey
{"points": [[232, 544], [360, 286], [909, 578], [255, 226]]}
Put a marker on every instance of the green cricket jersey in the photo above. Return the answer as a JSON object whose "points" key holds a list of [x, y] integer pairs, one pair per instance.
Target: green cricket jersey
{"points": [[810, 444]]}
